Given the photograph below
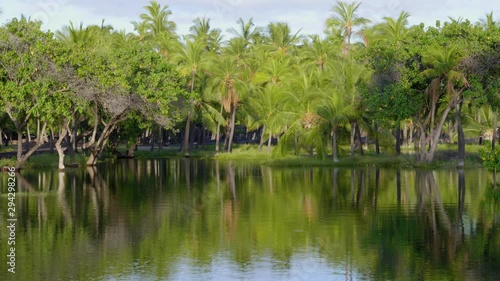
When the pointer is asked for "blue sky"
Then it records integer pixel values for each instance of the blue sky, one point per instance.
(309, 16)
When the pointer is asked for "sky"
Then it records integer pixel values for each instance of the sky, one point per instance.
(308, 16)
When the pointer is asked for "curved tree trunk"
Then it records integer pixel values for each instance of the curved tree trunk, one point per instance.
(21, 159)
(231, 134)
(59, 148)
(98, 147)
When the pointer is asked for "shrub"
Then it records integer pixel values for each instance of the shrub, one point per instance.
(491, 158)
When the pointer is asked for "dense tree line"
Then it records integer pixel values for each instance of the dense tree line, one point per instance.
(384, 81)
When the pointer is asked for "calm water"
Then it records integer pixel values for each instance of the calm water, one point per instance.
(181, 219)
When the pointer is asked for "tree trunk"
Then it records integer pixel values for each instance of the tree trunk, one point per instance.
(231, 134)
(59, 148)
(494, 135)
(23, 158)
(98, 147)
(160, 137)
(269, 142)
(432, 138)
(94, 130)
(377, 145)
(353, 125)
(132, 148)
(28, 139)
(261, 144)
(187, 133)
(28, 135)
(19, 143)
(334, 145)
(461, 136)
(398, 138)
(358, 139)
(410, 141)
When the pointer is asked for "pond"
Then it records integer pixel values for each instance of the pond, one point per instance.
(188, 219)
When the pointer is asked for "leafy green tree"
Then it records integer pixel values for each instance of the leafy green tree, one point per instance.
(389, 98)
(27, 76)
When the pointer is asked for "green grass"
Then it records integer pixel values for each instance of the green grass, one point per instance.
(171, 152)
(445, 158)
(51, 160)
(245, 152)
(8, 162)
(9, 148)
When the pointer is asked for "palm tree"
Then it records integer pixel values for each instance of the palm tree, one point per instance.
(237, 48)
(267, 104)
(280, 37)
(142, 28)
(191, 58)
(201, 30)
(345, 21)
(298, 114)
(347, 77)
(84, 37)
(335, 111)
(488, 22)
(156, 18)
(394, 30)
(318, 53)
(167, 43)
(247, 31)
(271, 82)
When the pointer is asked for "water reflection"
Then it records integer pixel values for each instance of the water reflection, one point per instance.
(187, 219)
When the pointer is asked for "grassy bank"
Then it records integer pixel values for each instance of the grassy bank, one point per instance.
(445, 158)
(46, 160)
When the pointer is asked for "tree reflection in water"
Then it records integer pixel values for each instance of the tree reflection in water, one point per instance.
(149, 218)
